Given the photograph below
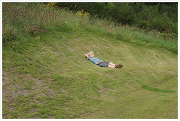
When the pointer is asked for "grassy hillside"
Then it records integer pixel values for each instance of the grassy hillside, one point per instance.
(45, 74)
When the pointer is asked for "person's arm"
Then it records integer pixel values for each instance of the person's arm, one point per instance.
(86, 56)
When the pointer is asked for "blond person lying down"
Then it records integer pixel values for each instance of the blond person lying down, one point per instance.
(98, 61)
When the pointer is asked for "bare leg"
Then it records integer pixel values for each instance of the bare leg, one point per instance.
(111, 66)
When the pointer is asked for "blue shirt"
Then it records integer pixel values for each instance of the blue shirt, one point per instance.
(95, 60)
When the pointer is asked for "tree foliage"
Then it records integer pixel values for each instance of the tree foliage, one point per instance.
(163, 15)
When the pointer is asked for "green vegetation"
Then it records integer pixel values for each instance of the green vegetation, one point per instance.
(45, 73)
(163, 15)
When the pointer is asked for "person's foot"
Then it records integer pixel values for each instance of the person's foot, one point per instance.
(119, 66)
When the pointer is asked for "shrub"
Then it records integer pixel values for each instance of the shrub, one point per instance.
(143, 24)
(123, 12)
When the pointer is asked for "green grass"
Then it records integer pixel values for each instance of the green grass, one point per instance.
(50, 77)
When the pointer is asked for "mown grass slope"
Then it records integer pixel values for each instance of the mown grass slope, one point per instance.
(49, 77)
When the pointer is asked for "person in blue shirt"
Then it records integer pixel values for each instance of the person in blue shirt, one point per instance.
(98, 61)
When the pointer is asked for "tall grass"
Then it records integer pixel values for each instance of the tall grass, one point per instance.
(34, 18)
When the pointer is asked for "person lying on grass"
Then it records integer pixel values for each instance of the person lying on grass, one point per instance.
(98, 61)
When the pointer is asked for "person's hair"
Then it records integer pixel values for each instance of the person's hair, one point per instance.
(88, 54)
